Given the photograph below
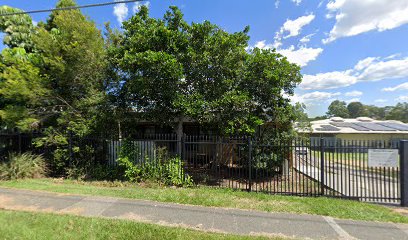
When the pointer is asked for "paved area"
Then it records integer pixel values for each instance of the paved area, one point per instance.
(351, 181)
(202, 218)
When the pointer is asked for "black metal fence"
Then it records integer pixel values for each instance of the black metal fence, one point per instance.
(299, 167)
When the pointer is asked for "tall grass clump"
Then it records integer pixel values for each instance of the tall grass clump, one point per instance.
(25, 165)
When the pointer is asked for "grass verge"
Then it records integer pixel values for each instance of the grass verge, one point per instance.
(27, 225)
(206, 196)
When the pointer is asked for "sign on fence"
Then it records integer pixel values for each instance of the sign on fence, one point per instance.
(383, 157)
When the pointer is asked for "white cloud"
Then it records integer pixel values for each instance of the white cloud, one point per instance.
(353, 100)
(379, 70)
(402, 99)
(297, 2)
(301, 56)
(353, 94)
(277, 2)
(120, 10)
(364, 63)
(328, 80)
(138, 5)
(403, 86)
(314, 97)
(381, 100)
(354, 17)
(368, 69)
(294, 27)
(393, 56)
(306, 38)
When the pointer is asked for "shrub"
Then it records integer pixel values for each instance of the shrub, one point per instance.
(26, 165)
(169, 171)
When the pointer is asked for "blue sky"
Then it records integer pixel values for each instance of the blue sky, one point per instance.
(348, 49)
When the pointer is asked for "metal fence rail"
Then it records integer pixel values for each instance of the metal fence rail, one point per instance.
(299, 167)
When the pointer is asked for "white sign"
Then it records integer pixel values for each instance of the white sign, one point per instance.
(383, 157)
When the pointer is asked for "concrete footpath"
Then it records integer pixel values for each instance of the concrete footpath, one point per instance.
(201, 218)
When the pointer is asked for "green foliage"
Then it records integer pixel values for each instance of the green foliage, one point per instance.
(57, 154)
(302, 119)
(62, 83)
(267, 162)
(162, 168)
(170, 71)
(22, 90)
(73, 59)
(356, 109)
(338, 109)
(26, 165)
(59, 83)
(399, 112)
(17, 28)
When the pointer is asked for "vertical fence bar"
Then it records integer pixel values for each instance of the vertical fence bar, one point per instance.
(70, 148)
(182, 163)
(404, 172)
(19, 142)
(322, 166)
(250, 164)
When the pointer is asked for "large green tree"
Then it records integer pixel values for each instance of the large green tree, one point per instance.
(171, 71)
(338, 109)
(60, 85)
(68, 63)
(73, 60)
(356, 109)
(375, 112)
(399, 112)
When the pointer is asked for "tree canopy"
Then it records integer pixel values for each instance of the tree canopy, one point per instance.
(338, 109)
(58, 80)
(357, 109)
(63, 74)
(18, 29)
(171, 71)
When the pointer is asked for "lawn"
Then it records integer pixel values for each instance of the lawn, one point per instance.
(27, 225)
(206, 196)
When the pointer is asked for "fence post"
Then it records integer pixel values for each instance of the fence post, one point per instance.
(19, 142)
(404, 172)
(250, 163)
(70, 148)
(322, 166)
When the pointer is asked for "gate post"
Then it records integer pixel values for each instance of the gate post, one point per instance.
(404, 172)
(322, 166)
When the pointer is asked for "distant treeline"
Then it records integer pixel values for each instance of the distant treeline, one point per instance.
(357, 109)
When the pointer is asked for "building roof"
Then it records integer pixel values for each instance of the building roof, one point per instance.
(358, 125)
